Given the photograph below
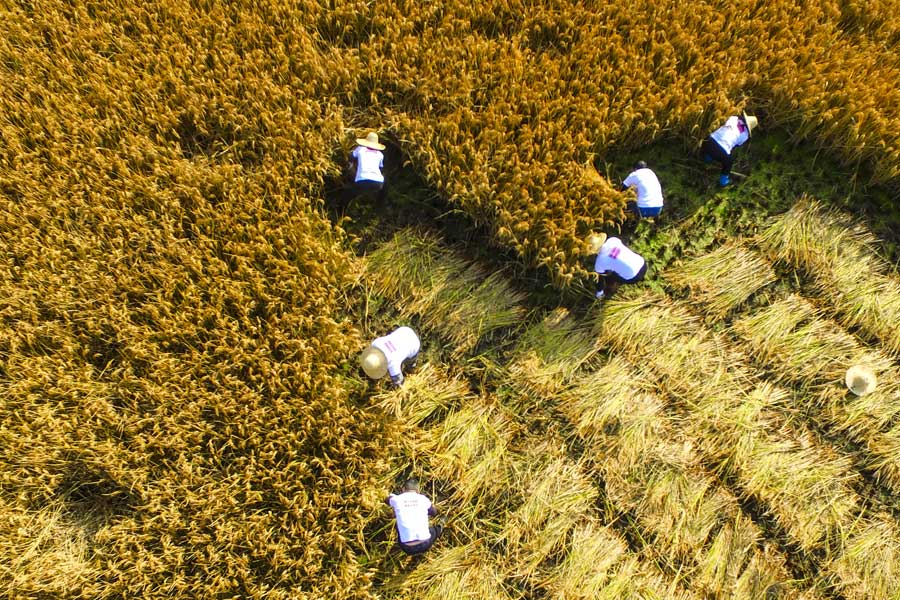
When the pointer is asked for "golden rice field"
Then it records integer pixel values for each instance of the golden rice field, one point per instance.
(181, 415)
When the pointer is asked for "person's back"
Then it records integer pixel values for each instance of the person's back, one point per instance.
(616, 257)
(398, 346)
(718, 146)
(732, 134)
(649, 191)
(369, 163)
(366, 163)
(411, 511)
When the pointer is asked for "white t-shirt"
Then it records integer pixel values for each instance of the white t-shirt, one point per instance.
(369, 163)
(400, 344)
(616, 257)
(649, 192)
(730, 135)
(411, 510)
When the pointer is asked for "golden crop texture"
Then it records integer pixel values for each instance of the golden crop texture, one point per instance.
(172, 417)
(501, 103)
(175, 415)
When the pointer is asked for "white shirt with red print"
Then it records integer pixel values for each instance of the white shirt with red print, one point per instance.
(617, 257)
(733, 133)
(399, 345)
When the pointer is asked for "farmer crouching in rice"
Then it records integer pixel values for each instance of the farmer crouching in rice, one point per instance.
(721, 142)
(386, 355)
(615, 264)
(412, 509)
(366, 163)
(649, 201)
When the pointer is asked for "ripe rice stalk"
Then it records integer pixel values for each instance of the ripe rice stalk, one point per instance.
(450, 296)
(723, 279)
(815, 239)
(816, 355)
(731, 567)
(657, 479)
(425, 395)
(410, 261)
(468, 309)
(618, 422)
(806, 486)
(471, 449)
(598, 564)
(598, 403)
(882, 456)
(594, 555)
(673, 501)
(869, 564)
(557, 496)
(549, 353)
(807, 350)
(729, 423)
(651, 329)
(842, 258)
(456, 572)
(45, 553)
(870, 302)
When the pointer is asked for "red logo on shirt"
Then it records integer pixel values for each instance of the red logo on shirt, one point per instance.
(614, 253)
(390, 346)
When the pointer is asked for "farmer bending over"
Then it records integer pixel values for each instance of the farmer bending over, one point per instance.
(719, 145)
(615, 264)
(649, 193)
(386, 354)
(412, 510)
(366, 162)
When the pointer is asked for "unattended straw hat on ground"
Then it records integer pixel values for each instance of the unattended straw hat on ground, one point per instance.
(373, 362)
(861, 380)
(370, 141)
(594, 242)
(751, 121)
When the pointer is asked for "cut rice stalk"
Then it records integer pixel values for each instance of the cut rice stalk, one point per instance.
(723, 279)
(869, 566)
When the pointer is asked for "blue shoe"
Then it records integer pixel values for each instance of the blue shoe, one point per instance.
(724, 180)
(707, 158)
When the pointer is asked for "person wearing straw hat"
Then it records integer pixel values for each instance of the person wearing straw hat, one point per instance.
(649, 193)
(616, 264)
(366, 163)
(411, 510)
(861, 380)
(721, 143)
(386, 354)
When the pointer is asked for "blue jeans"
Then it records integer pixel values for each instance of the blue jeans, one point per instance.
(643, 212)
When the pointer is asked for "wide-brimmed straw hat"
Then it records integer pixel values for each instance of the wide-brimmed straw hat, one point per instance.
(594, 242)
(373, 362)
(751, 121)
(370, 141)
(861, 380)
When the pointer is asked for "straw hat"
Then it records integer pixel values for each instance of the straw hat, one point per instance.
(751, 121)
(594, 242)
(861, 380)
(373, 362)
(370, 141)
